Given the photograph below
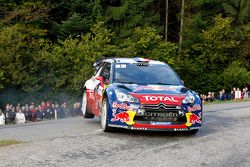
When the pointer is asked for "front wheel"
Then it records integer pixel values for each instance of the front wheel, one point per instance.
(85, 112)
(193, 132)
(104, 116)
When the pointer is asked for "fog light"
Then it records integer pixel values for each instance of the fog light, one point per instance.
(140, 111)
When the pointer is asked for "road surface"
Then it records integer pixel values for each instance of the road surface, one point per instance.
(224, 140)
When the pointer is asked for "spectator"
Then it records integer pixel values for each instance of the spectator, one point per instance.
(248, 93)
(238, 94)
(65, 108)
(39, 113)
(61, 112)
(20, 117)
(27, 113)
(2, 118)
(209, 97)
(74, 110)
(48, 111)
(56, 111)
(222, 95)
(33, 112)
(79, 112)
(43, 106)
(11, 115)
(244, 93)
(213, 97)
(230, 95)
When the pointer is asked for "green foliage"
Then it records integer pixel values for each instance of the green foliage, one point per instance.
(129, 14)
(239, 10)
(236, 75)
(1, 79)
(216, 43)
(30, 12)
(213, 52)
(71, 60)
(73, 26)
(148, 43)
(20, 59)
(47, 47)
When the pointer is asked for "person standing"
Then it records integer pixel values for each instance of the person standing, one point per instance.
(2, 118)
(238, 94)
(20, 117)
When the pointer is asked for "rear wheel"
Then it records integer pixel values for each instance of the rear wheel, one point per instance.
(85, 112)
(104, 116)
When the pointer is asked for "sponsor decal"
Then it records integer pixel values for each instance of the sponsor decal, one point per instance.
(193, 118)
(180, 129)
(135, 128)
(194, 108)
(120, 66)
(118, 126)
(161, 114)
(160, 98)
(122, 106)
(100, 90)
(154, 88)
(125, 117)
(160, 123)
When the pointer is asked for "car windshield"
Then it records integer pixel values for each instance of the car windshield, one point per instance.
(159, 74)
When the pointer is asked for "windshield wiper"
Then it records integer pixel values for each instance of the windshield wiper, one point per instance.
(127, 82)
(159, 83)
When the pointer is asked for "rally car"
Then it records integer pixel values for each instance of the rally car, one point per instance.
(140, 94)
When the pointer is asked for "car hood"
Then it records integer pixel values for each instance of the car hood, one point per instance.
(153, 89)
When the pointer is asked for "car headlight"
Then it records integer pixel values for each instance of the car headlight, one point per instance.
(122, 97)
(188, 99)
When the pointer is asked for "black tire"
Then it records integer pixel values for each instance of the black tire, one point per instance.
(193, 132)
(104, 116)
(85, 112)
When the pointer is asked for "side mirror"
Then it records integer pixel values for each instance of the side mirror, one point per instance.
(182, 82)
(99, 78)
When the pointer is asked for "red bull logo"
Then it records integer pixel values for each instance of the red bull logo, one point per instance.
(194, 108)
(193, 118)
(122, 106)
(123, 117)
(126, 116)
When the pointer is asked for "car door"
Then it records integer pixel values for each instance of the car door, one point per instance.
(102, 78)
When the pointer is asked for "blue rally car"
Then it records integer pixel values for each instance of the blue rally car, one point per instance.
(140, 94)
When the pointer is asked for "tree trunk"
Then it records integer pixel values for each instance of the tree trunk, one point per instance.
(181, 28)
(166, 29)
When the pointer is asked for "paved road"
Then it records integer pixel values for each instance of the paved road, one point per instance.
(224, 140)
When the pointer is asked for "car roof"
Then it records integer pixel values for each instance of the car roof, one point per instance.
(129, 60)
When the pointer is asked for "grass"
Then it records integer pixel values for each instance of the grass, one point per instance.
(9, 142)
(229, 101)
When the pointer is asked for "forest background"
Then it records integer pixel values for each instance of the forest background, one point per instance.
(47, 47)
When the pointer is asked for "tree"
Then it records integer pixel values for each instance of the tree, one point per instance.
(146, 42)
(236, 75)
(239, 10)
(209, 57)
(20, 58)
(72, 59)
(1, 79)
(73, 26)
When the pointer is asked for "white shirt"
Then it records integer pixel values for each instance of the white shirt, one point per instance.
(238, 94)
(2, 119)
(20, 118)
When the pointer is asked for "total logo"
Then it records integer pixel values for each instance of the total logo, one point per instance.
(160, 98)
